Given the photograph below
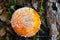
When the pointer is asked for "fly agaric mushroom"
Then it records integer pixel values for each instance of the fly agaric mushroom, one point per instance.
(25, 22)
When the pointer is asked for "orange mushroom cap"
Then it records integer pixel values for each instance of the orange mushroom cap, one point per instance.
(26, 22)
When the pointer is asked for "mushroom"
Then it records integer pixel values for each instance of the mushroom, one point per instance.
(25, 22)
